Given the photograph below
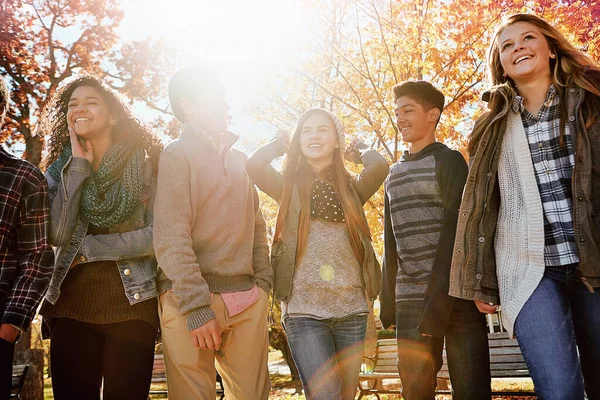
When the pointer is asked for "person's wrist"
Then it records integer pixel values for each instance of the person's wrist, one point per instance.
(9, 332)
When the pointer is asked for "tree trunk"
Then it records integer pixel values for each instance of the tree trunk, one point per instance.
(34, 383)
(33, 147)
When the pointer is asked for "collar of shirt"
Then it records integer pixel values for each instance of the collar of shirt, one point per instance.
(221, 142)
(519, 107)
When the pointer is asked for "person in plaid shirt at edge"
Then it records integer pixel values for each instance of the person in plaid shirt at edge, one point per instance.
(26, 257)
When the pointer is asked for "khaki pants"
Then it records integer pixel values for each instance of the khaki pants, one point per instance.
(242, 360)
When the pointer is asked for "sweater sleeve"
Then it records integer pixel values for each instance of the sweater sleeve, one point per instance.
(32, 252)
(173, 243)
(451, 172)
(390, 268)
(259, 169)
(372, 176)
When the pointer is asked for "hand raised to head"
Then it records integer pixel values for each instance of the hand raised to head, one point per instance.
(81, 150)
(352, 154)
(284, 137)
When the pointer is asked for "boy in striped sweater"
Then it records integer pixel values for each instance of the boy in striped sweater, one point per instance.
(422, 195)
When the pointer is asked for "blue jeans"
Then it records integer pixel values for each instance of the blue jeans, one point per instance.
(420, 357)
(560, 317)
(328, 354)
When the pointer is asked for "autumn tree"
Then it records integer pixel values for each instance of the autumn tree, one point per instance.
(361, 48)
(367, 46)
(45, 42)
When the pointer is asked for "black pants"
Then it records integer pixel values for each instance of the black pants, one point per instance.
(82, 354)
(420, 357)
(7, 351)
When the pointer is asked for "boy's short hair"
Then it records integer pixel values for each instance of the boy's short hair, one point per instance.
(192, 82)
(4, 99)
(422, 92)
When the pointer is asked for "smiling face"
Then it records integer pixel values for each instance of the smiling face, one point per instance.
(524, 52)
(88, 113)
(318, 140)
(415, 124)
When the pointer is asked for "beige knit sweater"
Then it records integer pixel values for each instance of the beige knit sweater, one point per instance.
(209, 233)
(519, 241)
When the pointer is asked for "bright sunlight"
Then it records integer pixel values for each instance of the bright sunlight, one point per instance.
(247, 42)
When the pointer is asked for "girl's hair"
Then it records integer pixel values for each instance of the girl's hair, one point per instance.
(571, 67)
(296, 171)
(127, 128)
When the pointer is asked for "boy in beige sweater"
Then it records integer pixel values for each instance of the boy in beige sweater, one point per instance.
(210, 243)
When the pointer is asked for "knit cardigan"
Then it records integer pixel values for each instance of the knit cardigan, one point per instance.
(519, 243)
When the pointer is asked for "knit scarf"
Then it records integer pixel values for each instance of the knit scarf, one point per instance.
(111, 193)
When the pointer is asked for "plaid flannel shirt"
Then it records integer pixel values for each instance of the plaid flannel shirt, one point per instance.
(553, 165)
(26, 257)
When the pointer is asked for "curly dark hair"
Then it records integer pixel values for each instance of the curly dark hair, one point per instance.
(4, 99)
(54, 120)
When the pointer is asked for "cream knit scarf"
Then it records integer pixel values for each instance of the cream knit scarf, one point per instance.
(519, 240)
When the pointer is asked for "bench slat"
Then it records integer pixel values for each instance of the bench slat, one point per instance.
(387, 361)
(379, 375)
(387, 369)
(503, 343)
(499, 367)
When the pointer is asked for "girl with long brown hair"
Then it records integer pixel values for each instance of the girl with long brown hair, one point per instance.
(528, 234)
(325, 267)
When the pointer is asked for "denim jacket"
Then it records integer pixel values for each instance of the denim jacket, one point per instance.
(129, 243)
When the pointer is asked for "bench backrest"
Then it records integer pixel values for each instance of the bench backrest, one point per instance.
(19, 375)
(506, 359)
(158, 370)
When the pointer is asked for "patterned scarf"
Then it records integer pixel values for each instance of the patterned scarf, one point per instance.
(325, 203)
(113, 192)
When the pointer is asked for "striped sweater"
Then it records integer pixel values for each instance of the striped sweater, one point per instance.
(423, 194)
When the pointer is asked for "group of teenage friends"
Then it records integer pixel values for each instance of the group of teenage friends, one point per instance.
(124, 228)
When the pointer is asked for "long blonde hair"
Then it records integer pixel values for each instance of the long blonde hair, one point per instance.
(297, 172)
(571, 67)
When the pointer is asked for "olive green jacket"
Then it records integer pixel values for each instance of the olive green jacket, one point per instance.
(472, 275)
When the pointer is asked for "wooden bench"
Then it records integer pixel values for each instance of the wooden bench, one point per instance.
(506, 361)
(19, 375)
(159, 376)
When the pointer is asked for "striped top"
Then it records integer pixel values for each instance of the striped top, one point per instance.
(416, 211)
(423, 194)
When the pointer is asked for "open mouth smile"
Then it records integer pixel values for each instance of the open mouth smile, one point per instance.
(523, 58)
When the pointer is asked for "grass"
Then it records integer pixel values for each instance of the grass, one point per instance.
(285, 389)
